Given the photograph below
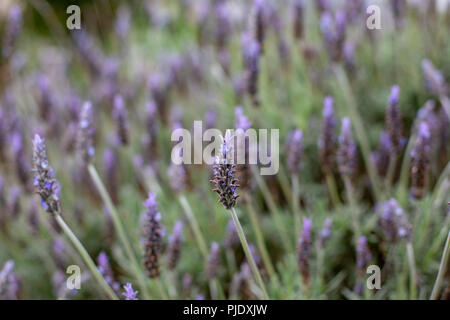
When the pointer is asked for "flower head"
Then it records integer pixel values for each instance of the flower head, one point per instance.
(304, 250)
(153, 233)
(420, 160)
(129, 293)
(363, 255)
(175, 243)
(394, 222)
(394, 123)
(327, 140)
(121, 116)
(295, 151)
(347, 153)
(45, 182)
(85, 139)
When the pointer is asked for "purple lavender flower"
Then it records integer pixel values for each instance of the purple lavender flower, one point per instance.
(334, 32)
(260, 22)
(398, 11)
(46, 99)
(434, 80)
(44, 178)
(153, 233)
(363, 255)
(225, 183)
(322, 5)
(213, 263)
(159, 89)
(295, 151)
(325, 233)
(420, 161)
(129, 293)
(89, 52)
(231, 239)
(210, 119)
(9, 282)
(59, 253)
(12, 30)
(381, 156)
(177, 177)
(251, 52)
(175, 244)
(106, 271)
(120, 115)
(223, 25)
(85, 139)
(122, 23)
(393, 221)
(304, 251)
(298, 19)
(347, 155)
(393, 120)
(327, 140)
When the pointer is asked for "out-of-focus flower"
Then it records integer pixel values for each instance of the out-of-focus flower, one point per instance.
(325, 233)
(298, 19)
(304, 251)
(381, 156)
(213, 263)
(294, 148)
(106, 271)
(394, 223)
(334, 32)
(394, 124)
(120, 115)
(85, 138)
(327, 140)
(363, 255)
(420, 161)
(347, 155)
(9, 282)
(111, 174)
(231, 239)
(434, 80)
(175, 244)
(251, 50)
(12, 30)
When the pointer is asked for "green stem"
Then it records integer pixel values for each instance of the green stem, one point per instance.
(194, 225)
(412, 271)
(248, 254)
(87, 259)
(442, 269)
(332, 189)
(353, 207)
(359, 128)
(259, 237)
(119, 227)
(161, 290)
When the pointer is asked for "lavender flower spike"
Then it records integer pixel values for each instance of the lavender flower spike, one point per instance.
(44, 178)
(363, 255)
(420, 161)
(347, 153)
(129, 293)
(225, 183)
(304, 250)
(394, 120)
(213, 263)
(121, 116)
(175, 243)
(298, 19)
(85, 139)
(295, 151)
(325, 233)
(153, 233)
(327, 140)
(394, 222)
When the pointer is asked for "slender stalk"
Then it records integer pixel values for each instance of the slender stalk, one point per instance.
(231, 261)
(87, 259)
(248, 254)
(359, 127)
(194, 225)
(412, 271)
(119, 227)
(332, 189)
(353, 207)
(284, 182)
(391, 172)
(295, 207)
(273, 210)
(161, 290)
(259, 236)
(442, 269)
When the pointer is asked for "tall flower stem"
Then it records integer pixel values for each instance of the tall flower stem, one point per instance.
(442, 269)
(259, 236)
(353, 208)
(391, 172)
(194, 225)
(412, 271)
(85, 255)
(359, 127)
(295, 206)
(119, 227)
(248, 254)
(332, 189)
(273, 209)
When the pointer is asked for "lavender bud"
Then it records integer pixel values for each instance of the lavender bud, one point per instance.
(363, 255)
(434, 80)
(347, 155)
(153, 233)
(295, 151)
(381, 156)
(251, 50)
(298, 19)
(12, 30)
(85, 138)
(325, 233)
(394, 223)
(327, 140)
(304, 251)
(225, 183)
(213, 263)
(120, 115)
(420, 161)
(175, 244)
(104, 268)
(393, 120)
(129, 293)
(44, 178)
